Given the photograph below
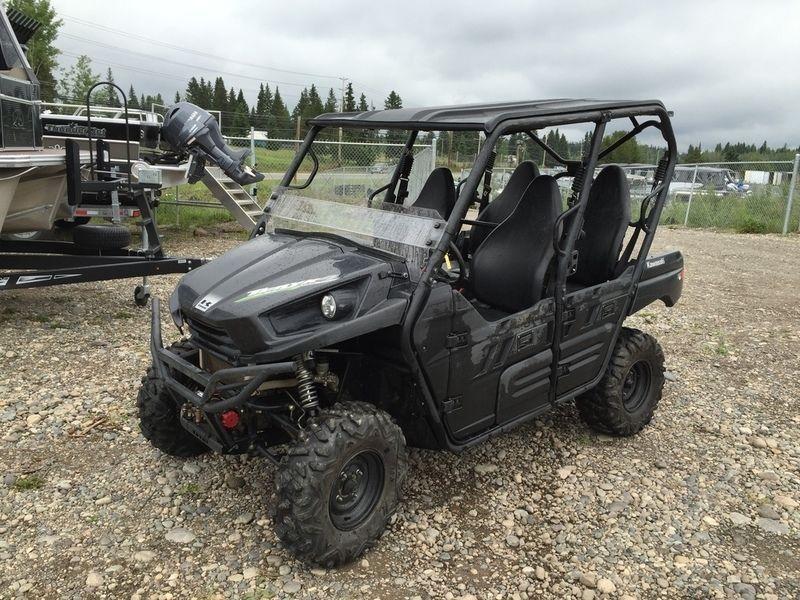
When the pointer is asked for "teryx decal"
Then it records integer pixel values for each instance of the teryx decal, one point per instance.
(286, 287)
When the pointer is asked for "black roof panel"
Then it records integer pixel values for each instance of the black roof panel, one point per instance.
(473, 116)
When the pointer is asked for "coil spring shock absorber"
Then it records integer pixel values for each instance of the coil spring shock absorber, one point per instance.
(577, 184)
(661, 171)
(487, 181)
(305, 383)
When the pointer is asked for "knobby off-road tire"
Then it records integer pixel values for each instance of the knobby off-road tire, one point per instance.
(627, 396)
(159, 416)
(339, 485)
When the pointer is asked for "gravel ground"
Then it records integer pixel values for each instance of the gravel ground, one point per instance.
(703, 503)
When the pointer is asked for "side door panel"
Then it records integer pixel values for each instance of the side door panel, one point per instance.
(430, 339)
(496, 368)
(590, 317)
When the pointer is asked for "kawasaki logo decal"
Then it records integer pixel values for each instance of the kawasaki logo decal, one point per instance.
(286, 287)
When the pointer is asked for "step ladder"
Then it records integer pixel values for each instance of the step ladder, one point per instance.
(233, 197)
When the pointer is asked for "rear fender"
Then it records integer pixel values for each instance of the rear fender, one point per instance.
(662, 279)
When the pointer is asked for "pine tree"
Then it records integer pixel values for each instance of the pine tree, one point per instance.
(330, 102)
(279, 124)
(193, 92)
(241, 116)
(315, 106)
(203, 96)
(220, 98)
(362, 103)
(107, 95)
(263, 108)
(177, 97)
(133, 100)
(349, 99)
(393, 100)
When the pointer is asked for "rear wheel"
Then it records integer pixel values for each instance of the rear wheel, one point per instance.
(626, 398)
(339, 485)
(159, 415)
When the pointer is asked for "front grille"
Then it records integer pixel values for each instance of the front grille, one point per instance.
(214, 339)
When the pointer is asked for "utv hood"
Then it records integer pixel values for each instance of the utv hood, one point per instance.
(263, 297)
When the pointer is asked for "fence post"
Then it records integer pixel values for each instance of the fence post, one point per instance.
(177, 208)
(691, 194)
(792, 185)
(253, 191)
(433, 152)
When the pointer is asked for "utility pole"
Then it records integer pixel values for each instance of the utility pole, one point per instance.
(341, 110)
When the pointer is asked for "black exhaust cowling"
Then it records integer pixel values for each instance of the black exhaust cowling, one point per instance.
(189, 127)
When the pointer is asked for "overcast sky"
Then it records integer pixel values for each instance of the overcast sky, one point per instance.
(729, 70)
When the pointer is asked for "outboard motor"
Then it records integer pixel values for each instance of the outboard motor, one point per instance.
(188, 127)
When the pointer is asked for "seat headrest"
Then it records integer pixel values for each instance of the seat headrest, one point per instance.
(522, 177)
(438, 193)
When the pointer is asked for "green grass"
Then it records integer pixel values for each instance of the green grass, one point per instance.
(189, 217)
(39, 318)
(763, 211)
(721, 349)
(28, 482)
(190, 489)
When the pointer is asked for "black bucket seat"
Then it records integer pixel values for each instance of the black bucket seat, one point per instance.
(510, 267)
(504, 203)
(438, 193)
(607, 216)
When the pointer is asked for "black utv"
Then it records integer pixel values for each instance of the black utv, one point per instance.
(359, 318)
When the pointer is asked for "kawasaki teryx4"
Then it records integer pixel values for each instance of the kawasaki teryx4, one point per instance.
(360, 317)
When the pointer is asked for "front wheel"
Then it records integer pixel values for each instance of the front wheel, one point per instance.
(624, 401)
(339, 485)
(159, 415)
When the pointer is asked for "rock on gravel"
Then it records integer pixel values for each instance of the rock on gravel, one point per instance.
(180, 535)
(144, 556)
(485, 469)
(606, 586)
(292, 587)
(772, 526)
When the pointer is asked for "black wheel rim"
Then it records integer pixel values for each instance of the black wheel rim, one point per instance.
(356, 490)
(636, 386)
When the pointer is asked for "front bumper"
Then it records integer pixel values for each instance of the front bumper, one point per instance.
(216, 392)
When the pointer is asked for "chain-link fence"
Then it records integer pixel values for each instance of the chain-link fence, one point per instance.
(749, 197)
(756, 197)
(345, 169)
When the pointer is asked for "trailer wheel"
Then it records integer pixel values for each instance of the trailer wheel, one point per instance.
(624, 401)
(101, 237)
(339, 485)
(141, 295)
(159, 416)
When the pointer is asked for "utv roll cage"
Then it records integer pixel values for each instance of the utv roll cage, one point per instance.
(497, 120)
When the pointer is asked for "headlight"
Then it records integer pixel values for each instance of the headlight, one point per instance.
(328, 306)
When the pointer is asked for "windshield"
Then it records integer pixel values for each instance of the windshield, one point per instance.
(344, 198)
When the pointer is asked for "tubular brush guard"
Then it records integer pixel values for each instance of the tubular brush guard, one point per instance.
(211, 399)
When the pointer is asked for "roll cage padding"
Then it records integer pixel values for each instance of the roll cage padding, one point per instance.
(438, 193)
(505, 202)
(510, 267)
(605, 221)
